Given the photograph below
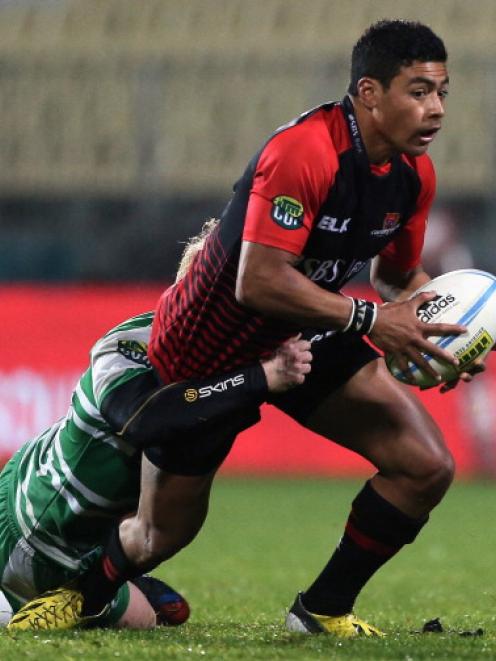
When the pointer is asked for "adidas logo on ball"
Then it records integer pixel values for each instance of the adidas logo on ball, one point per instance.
(430, 309)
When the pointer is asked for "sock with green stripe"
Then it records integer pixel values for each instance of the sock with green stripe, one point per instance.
(102, 581)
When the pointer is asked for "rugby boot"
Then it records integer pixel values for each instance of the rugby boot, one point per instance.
(56, 609)
(170, 607)
(341, 626)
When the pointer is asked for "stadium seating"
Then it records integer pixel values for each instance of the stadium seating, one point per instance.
(111, 95)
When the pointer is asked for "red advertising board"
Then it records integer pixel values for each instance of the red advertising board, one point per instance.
(45, 336)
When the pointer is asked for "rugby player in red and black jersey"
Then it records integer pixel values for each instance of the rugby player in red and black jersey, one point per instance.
(344, 185)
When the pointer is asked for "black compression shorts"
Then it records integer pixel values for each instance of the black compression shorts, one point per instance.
(204, 450)
(336, 358)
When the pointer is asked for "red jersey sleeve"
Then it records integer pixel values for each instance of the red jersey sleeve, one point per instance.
(405, 249)
(291, 181)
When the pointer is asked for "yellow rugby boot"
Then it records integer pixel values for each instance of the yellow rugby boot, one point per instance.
(56, 609)
(341, 626)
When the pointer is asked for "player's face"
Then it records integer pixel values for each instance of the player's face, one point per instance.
(408, 114)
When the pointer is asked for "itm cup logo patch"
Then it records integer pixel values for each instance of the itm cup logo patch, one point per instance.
(287, 212)
(135, 351)
(191, 395)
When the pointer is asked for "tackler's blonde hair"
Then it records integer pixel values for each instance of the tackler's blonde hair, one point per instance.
(193, 246)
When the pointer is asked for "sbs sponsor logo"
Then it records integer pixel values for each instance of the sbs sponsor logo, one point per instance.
(192, 394)
(327, 270)
(429, 310)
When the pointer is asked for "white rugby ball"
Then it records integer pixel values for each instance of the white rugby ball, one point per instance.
(466, 297)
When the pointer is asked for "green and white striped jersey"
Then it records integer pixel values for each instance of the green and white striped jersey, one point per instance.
(77, 476)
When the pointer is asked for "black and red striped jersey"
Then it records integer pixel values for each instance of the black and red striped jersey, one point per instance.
(311, 191)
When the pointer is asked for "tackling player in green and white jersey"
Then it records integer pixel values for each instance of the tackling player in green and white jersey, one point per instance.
(62, 492)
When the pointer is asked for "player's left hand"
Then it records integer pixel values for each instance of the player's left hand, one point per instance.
(466, 377)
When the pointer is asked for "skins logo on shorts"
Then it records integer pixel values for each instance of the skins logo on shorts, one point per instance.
(287, 212)
(135, 351)
(191, 395)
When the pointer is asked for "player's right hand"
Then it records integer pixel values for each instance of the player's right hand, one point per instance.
(290, 364)
(400, 333)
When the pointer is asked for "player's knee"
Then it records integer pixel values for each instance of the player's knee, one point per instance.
(434, 475)
(5, 610)
(139, 614)
(155, 548)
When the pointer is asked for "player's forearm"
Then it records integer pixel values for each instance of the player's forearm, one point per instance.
(269, 283)
(392, 285)
(284, 293)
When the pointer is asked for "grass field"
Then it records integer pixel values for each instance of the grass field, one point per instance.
(266, 539)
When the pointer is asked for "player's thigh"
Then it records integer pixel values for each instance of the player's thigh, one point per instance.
(171, 511)
(167, 498)
(176, 477)
(23, 571)
(382, 420)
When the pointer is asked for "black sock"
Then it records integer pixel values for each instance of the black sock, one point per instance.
(375, 531)
(102, 581)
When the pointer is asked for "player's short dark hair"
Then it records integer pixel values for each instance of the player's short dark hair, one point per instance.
(386, 46)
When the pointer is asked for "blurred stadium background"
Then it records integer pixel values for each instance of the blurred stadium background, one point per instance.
(123, 126)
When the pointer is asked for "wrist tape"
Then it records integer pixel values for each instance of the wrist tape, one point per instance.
(362, 318)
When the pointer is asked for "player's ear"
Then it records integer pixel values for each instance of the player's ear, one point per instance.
(368, 91)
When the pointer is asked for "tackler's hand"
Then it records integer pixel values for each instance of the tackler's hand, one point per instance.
(289, 366)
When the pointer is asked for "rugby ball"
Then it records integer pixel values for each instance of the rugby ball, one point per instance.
(466, 297)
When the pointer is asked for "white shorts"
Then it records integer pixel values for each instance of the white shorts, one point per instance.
(5, 610)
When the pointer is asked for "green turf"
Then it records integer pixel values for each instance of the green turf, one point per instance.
(264, 540)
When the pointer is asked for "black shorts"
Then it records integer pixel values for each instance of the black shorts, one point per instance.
(336, 358)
